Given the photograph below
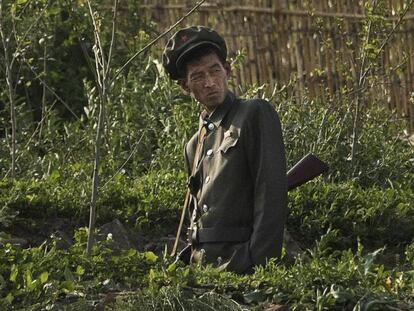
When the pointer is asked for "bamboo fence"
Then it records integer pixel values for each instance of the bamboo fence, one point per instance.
(315, 44)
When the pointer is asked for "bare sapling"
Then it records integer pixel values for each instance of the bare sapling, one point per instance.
(104, 82)
(8, 64)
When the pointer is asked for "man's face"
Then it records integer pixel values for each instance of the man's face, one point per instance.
(206, 80)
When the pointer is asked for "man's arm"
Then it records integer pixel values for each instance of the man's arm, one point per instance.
(269, 170)
(267, 163)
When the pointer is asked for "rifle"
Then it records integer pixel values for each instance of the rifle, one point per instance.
(306, 169)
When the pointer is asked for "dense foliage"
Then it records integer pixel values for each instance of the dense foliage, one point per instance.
(354, 224)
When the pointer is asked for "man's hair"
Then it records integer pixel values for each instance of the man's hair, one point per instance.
(198, 53)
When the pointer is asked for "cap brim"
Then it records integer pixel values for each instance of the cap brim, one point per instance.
(180, 59)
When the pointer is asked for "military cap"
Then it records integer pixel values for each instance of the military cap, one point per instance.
(186, 40)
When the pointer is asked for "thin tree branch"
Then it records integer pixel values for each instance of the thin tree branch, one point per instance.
(9, 82)
(361, 83)
(111, 47)
(101, 71)
(87, 58)
(126, 161)
(43, 88)
(22, 40)
(32, 136)
(102, 68)
(364, 72)
(98, 50)
(386, 40)
(24, 8)
(37, 76)
(364, 53)
(155, 40)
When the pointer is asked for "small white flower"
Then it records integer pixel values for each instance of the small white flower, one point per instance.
(109, 236)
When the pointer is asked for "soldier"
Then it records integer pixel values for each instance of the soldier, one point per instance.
(235, 162)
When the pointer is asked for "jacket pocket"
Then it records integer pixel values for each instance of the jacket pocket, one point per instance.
(230, 140)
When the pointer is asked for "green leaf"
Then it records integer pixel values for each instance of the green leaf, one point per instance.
(2, 282)
(44, 277)
(131, 253)
(152, 275)
(29, 282)
(68, 274)
(67, 286)
(80, 270)
(30, 197)
(55, 76)
(369, 259)
(13, 273)
(55, 175)
(254, 296)
(150, 257)
(171, 267)
(9, 298)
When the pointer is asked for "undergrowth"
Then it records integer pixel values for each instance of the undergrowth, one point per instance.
(321, 278)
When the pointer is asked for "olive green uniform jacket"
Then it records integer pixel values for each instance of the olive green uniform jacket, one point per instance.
(239, 186)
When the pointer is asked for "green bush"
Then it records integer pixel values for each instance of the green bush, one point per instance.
(383, 155)
(366, 213)
(43, 276)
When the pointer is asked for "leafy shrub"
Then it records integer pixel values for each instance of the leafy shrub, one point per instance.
(151, 203)
(356, 212)
(325, 129)
(43, 275)
(170, 298)
(318, 280)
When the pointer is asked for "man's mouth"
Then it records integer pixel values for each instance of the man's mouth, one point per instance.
(215, 93)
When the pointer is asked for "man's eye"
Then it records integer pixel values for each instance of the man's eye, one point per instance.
(196, 78)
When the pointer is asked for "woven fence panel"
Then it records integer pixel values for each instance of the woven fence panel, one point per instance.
(315, 44)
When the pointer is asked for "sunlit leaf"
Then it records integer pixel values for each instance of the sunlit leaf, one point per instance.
(80, 270)
(9, 298)
(151, 257)
(28, 279)
(13, 273)
(44, 277)
(369, 259)
(67, 286)
(171, 267)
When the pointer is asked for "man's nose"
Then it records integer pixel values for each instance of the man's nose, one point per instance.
(209, 81)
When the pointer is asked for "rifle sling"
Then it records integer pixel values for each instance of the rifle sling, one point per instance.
(200, 142)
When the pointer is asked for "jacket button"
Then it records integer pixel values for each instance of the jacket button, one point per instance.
(210, 126)
(207, 179)
(209, 152)
(205, 208)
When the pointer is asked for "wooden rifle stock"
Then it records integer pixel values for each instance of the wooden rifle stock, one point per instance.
(306, 169)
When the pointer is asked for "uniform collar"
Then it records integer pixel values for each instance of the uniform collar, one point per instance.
(220, 112)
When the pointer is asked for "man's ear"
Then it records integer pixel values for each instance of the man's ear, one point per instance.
(184, 85)
(227, 67)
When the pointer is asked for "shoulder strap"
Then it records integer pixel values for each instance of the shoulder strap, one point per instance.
(200, 142)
